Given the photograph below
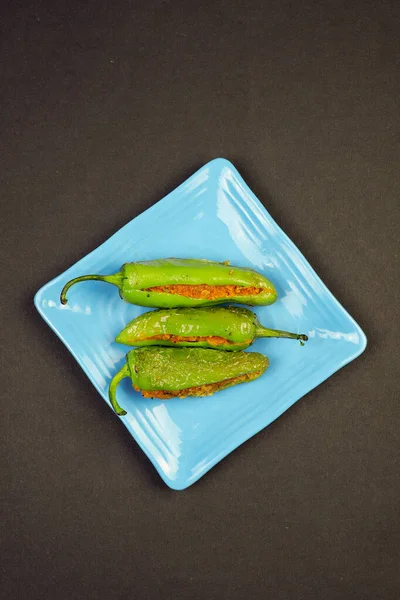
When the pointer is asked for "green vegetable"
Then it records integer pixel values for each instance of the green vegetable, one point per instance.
(224, 328)
(175, 282)
(168, 372)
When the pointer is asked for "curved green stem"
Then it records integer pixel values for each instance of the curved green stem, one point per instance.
(112, 391)
(278, 333)
(115, 279)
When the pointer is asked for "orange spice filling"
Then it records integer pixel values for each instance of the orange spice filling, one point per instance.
(202, 390)
(213, 340)
(209, 292)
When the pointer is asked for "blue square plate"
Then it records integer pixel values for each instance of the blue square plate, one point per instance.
(212, 215)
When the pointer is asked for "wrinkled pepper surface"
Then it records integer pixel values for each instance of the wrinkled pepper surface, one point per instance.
(179, 372)
(224, 328)
(176, 282)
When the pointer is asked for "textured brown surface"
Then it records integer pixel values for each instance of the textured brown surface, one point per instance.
(104, 110)
(207, 291)
(213, 340)
(201, 390)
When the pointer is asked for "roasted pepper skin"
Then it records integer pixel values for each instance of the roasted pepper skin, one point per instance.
(134, 279)
(174, 369)
(238, 326)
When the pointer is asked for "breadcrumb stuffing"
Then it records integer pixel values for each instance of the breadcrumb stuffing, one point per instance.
(205, 291)
(202, 390)
(213, 340)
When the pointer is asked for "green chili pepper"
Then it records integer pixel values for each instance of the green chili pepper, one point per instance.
(169, 372)
(174, 282)
(224, 328)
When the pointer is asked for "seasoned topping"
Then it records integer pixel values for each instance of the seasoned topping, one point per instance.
(213, 340)
(201, 390)
(207, 292)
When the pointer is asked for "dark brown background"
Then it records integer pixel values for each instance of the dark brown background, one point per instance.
(105, 108)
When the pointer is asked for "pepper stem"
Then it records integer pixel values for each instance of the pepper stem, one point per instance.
(264, 332)
(115, 279)
(112, 391)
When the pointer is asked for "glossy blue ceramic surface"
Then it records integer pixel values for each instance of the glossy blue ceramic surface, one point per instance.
(212, 215)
